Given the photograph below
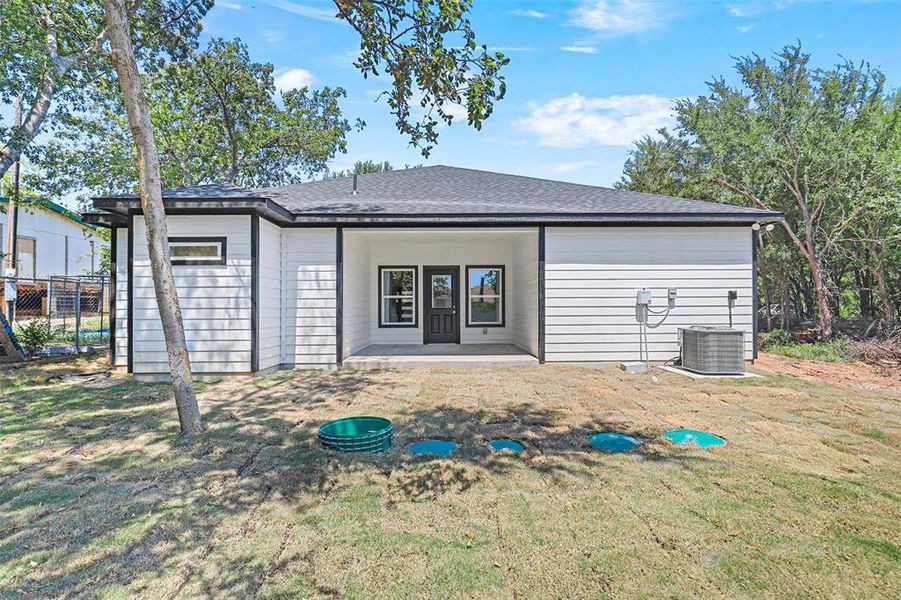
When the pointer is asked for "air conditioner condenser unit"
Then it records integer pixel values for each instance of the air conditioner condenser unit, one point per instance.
(711, 350)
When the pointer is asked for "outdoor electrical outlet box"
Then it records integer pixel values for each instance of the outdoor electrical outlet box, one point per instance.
(671, 297)
(733, 296)
(643, 297)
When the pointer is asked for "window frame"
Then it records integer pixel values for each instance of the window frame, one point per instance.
(219, 261)
(501, 296)
(414, 298)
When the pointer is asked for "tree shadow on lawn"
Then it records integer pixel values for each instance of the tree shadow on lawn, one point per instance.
(121, 496)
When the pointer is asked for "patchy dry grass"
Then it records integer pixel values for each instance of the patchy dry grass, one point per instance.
(99, 497)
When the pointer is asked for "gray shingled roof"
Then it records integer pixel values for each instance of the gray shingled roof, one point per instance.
(219, 191)
(451, 191)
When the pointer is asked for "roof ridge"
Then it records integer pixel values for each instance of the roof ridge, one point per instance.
(587, 186)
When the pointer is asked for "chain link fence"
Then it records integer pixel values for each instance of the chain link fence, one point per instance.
(59, 315)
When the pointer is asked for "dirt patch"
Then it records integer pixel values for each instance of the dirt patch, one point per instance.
(857, 374)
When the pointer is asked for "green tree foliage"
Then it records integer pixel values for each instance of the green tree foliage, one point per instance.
(362, 167)
(53, 54)
(218, 118)
(428, 48)
(819, 145)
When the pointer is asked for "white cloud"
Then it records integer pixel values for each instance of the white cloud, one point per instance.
(530, 13)
(620, 17)
(231, 5)
(751, 8)
(457, 111)
(738, 10)
(580, 49)
(311, 12)
(293, 79)
(576, 165)
(273, 37)
(576, 120)
(745, 28)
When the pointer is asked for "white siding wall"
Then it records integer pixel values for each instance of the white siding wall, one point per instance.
(121, 351)
(525, 288)
(357, 315)
(593, 274)
(63, 246)
(215, 300)
(270, 295)
(308, 297)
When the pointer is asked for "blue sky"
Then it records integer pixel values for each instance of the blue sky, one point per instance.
(585, 79)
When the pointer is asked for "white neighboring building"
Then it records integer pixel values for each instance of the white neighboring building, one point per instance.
(52, 240)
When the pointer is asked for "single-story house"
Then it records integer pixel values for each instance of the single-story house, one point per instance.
(320, 273)
(51, 240)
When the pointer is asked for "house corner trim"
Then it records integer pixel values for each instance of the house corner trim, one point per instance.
(254, 293)
(541, 294)
(339, 295)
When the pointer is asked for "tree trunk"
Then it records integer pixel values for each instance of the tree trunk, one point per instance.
(761, 274)
(768, 298)
(784, 314)
(885, 296)
(863, 292)
(819, 286)
(800, 296)
(123, 58)
(23, 135)
(838, 276)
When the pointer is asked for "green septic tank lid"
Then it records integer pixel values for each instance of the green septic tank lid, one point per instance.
(611, 441)
(442, 448)
(357, 434)
(702, 439)
(501, 444)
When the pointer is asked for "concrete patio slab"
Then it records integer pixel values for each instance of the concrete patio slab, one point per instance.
(439, 355)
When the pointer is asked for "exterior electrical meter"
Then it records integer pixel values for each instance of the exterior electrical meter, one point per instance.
(643, 299)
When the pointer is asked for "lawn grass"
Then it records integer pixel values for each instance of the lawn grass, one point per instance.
(100, 497)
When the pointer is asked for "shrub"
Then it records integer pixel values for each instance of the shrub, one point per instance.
(776, 337)
(839, 349)
(34, 335)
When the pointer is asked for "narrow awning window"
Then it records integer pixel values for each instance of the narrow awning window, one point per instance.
(197, 250)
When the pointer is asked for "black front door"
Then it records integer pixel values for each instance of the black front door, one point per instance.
(442, 322)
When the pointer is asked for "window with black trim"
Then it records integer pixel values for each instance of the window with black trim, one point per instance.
(198, 250)
(397, 297)
(485, 296)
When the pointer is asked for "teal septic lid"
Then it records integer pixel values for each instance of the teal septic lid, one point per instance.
(610, 441)
(702, 439)
(501, 444)
(357, 434)
(442, 448)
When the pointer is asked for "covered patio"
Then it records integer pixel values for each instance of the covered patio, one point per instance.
(439, 296)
